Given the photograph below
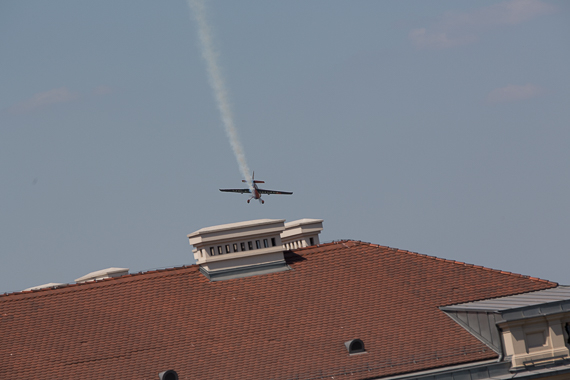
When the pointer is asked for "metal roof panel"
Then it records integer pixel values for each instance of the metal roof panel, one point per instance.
(541, 297)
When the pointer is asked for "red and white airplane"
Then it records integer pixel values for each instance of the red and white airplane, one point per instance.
(256, 190)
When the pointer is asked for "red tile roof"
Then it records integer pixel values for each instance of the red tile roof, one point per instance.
(285, 325)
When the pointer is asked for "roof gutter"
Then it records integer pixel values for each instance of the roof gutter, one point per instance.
(441, 371)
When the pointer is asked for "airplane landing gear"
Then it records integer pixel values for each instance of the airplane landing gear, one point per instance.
(262, 202)
(248, 200)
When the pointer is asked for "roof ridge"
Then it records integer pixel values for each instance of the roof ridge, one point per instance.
(109, 279)
(148, 271)
(321, 245)
(481, 267)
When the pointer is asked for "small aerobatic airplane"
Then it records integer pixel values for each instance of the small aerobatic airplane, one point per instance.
(256, 190)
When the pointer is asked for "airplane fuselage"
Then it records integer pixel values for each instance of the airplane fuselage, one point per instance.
(256, 195)
(255, 191)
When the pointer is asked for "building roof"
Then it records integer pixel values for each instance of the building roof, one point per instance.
(540, 297)
(286, 325)
(520, 306)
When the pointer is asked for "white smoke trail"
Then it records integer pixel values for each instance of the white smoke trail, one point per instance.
(218, 86)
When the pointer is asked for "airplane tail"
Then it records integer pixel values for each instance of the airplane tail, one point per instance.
(253, 179)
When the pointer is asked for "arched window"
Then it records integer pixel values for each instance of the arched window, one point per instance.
(354, 346)
(168, 375)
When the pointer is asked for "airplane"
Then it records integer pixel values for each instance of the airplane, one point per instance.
(256, 190)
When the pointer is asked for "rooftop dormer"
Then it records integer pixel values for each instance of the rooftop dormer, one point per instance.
(533, 328)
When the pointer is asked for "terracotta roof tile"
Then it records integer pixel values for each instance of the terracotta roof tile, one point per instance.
(283, 325)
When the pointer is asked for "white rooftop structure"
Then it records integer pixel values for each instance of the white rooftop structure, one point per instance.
(239, 249)
(250, 248)
(102, 274)
(302, 233)
(49, 285)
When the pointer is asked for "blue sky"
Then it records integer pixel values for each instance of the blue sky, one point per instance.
(439, 127)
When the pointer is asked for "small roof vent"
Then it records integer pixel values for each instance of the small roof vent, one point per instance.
(102, 274)
(355, 346)
(301, 233)
(50, 285)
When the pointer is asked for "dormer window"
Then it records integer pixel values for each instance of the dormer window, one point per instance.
(220, 250)
(228, 248)
(532, 326)
(354, 346)
(168, 375)
(242, 246)
(250, 245)
(212, 252)
(265, 243)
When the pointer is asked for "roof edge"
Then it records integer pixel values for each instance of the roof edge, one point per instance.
(300, 250)
(87, 283)
(467, 264)
(431, 257)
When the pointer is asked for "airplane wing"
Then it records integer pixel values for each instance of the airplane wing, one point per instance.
(241, 191)
(262, 191)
